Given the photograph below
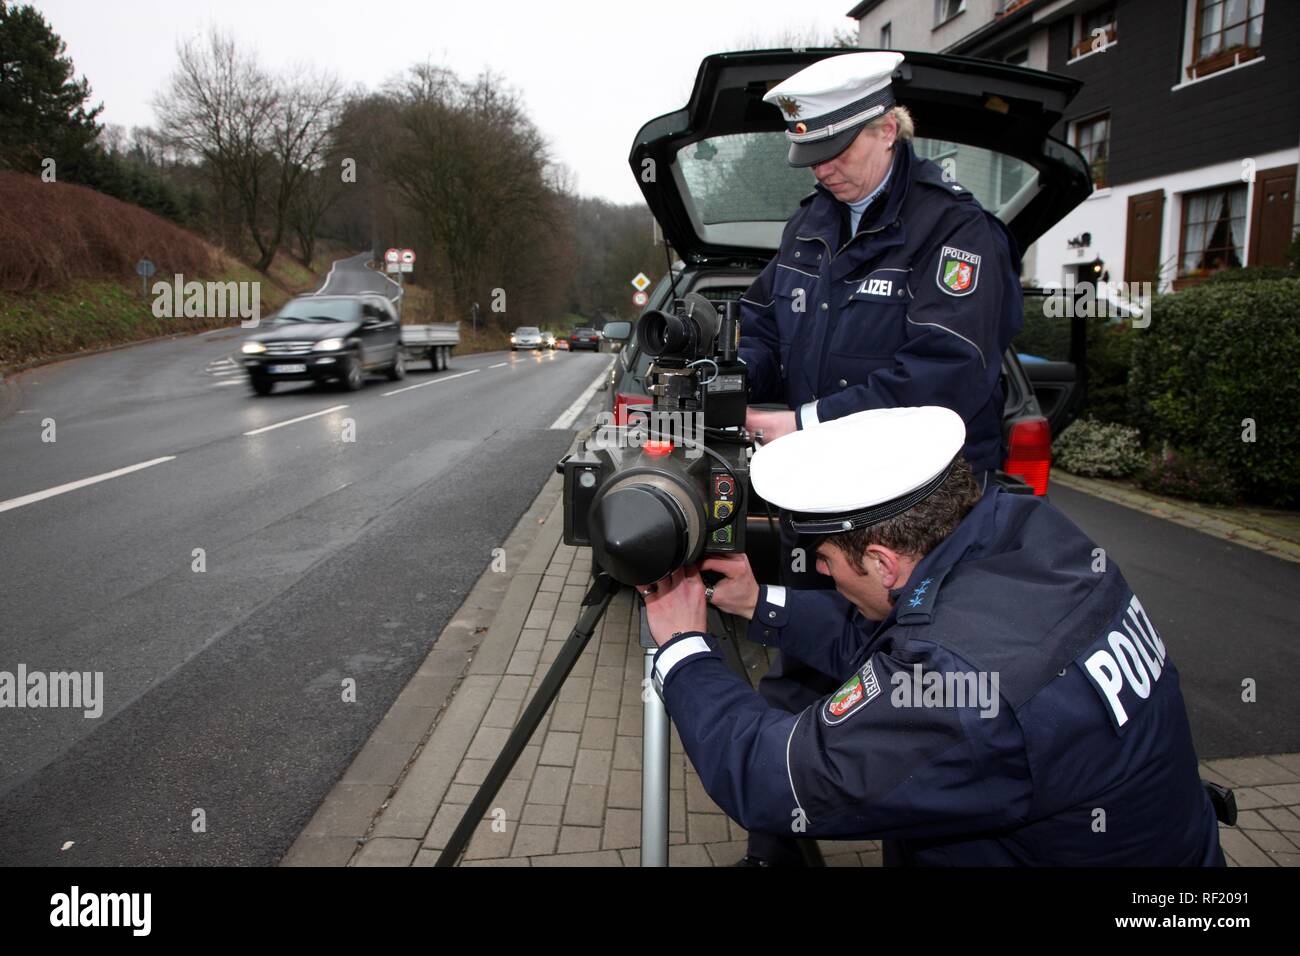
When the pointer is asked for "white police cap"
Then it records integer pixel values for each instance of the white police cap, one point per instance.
(824, 105)
(859, 470)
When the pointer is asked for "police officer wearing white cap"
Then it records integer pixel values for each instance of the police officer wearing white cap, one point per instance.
(1014, 705)
(891, 286)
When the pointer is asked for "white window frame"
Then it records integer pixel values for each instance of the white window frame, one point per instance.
(1189, 51)
(941, 5)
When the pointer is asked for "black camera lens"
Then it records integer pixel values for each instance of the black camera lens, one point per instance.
(662, 333)
(639, 534)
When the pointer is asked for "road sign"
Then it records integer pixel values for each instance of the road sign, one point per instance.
(408, 267)
(640, 298)
(641, 282)
(393, 267)
(408, 257)
(144, 268)
(393, 255)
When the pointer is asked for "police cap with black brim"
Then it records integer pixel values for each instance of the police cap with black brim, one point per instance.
(826, 104)
(860, 470)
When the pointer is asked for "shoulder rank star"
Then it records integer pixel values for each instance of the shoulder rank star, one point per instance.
(789, 105)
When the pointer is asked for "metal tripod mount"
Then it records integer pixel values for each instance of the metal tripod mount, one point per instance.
(654, 741)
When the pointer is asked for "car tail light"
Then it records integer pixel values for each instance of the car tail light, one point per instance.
(1029, 452)
(621, 402)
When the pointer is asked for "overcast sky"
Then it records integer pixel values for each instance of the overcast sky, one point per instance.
(590, 72)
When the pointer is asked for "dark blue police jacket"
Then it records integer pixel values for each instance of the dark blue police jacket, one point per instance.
(1079, 754)
(916, 308)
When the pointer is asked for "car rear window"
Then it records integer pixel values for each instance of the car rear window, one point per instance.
(744, 177)
(526, 330)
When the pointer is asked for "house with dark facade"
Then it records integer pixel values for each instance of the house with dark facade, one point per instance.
(1189, 118)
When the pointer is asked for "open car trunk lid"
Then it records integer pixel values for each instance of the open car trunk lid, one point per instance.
(715, 174)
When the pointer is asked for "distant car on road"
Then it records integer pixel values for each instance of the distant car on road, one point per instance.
(562, 345)
(585, 339)
(326, 338)
(527, 337)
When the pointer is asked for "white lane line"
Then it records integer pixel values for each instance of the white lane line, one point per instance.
(499, 365)
(74, 485)
(204, 335)
(294, 421)
(229, 381)
(225, 371)
(398, 391)
(327, 277)
(566, 419)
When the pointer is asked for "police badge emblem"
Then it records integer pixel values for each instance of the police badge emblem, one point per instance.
(789, 104)
(860, 689)
(959, 271)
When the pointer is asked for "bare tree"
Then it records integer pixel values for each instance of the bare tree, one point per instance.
(258, 135)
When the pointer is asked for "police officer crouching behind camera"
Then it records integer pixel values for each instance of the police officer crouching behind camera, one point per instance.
(1013, 705)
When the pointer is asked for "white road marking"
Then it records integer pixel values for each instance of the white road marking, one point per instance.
(398, 391)
(74, 485)
(229, 381)
(327, 277)
(225, 371)
(294, 421)
(204, 335)
(566, 419)
(499, 365)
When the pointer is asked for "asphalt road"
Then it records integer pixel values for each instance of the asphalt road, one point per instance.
(1226, 614)
(326, 560)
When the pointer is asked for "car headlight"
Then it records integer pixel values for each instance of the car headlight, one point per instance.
(328, 345)
(252, 348)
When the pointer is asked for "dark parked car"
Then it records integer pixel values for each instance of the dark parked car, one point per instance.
(584, 339)
(724, 192)
(326, 338)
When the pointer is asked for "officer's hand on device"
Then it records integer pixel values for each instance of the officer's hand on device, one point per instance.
(737, 592)
(772, 424)
(676, 605)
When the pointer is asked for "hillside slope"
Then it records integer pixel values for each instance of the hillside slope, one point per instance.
(67, 271)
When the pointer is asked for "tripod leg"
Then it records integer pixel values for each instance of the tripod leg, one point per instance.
(654, 772)
(594, 605)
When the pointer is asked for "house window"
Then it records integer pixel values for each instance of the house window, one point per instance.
(1227, 32)
(1092, 139)
(1214, 231)
(887, 36)
(1097, 29)
(945, 10)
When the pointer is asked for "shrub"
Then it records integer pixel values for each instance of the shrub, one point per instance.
(1187, 476)
(1098, 450)
(1219, 366)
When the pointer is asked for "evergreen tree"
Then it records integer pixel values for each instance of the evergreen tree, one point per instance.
(43, 112)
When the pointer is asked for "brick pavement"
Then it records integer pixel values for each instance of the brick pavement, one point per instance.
(573, 798)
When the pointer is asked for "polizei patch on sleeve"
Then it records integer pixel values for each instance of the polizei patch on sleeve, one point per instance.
(959, 271)
(858, 691)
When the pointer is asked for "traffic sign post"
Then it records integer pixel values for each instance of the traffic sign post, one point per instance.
(144, 269)
(641, 282)
(639, 299)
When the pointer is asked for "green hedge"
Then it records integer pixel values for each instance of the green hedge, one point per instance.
(1214, 356)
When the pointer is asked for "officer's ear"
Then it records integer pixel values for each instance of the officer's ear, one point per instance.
(888, 565)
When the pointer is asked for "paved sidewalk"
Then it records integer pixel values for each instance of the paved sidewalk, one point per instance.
(573, 798)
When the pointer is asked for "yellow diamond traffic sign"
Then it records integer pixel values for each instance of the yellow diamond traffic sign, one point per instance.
(641, 282)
